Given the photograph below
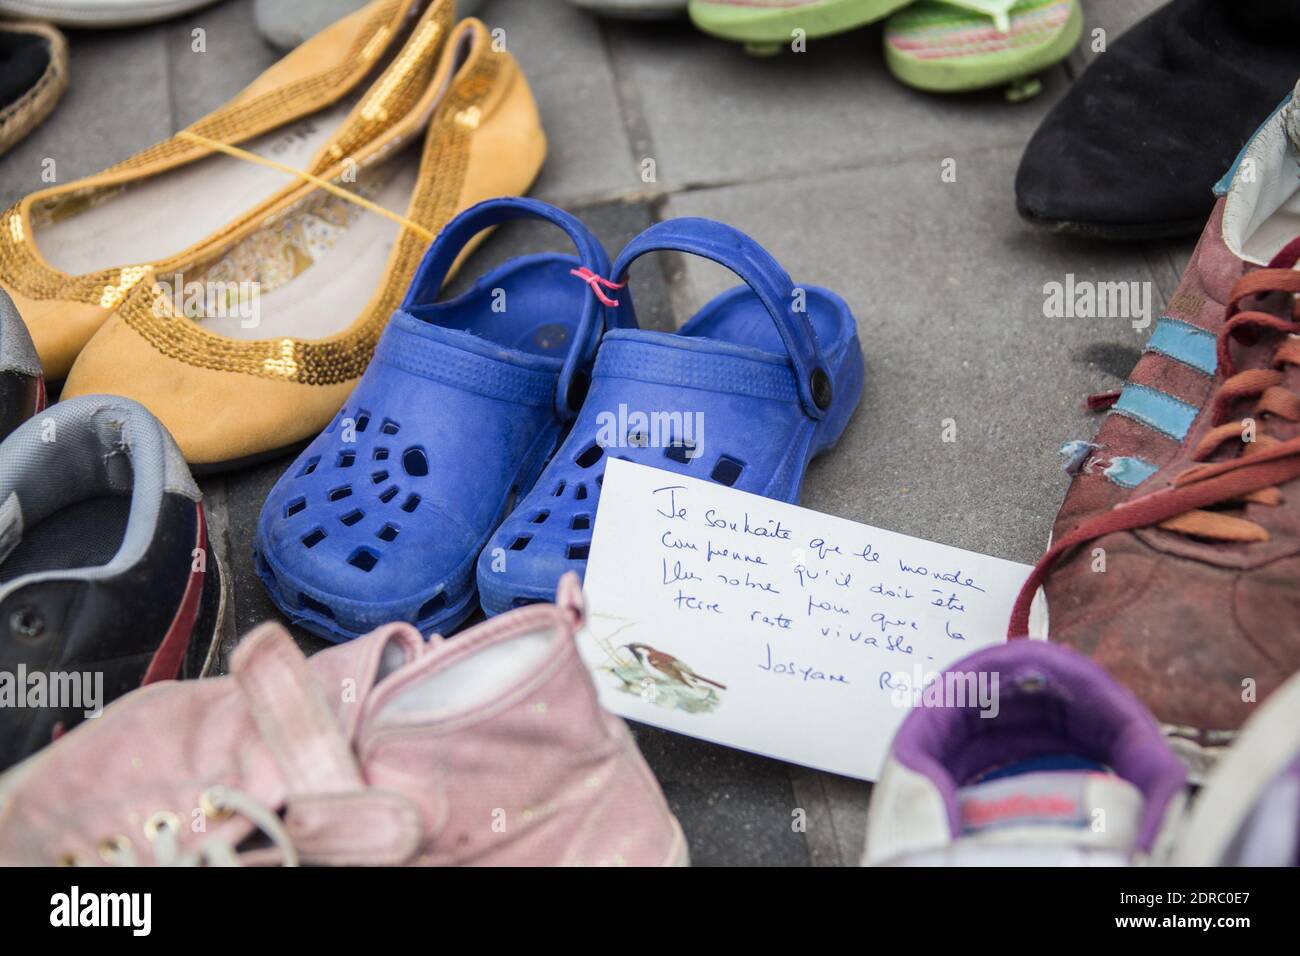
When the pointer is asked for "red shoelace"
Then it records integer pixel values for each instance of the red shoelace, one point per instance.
(1252, 476)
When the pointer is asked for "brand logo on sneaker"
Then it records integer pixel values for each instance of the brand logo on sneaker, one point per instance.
(1019, 807)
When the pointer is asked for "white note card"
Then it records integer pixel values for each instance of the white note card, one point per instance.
(768, 627)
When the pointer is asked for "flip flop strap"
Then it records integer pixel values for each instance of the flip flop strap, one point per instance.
(764, 275)
(437, 263)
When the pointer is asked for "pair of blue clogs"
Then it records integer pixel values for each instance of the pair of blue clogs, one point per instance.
(441, 476)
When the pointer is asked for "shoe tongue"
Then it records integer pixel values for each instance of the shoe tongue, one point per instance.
(1073, 808)
(1261, 198)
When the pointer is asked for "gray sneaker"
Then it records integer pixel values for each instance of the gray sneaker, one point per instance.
(22, 387)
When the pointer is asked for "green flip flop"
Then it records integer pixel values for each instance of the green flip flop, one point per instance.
(953, 46)
(766, 26)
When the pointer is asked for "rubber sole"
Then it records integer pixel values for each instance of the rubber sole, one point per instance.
(205, 641)
(496, 601)
(765, 26)
(1199, 759)
(328, 629)
(446, 623)
(1119, 232)
(966, 74)
(31, 109)
(249, 461)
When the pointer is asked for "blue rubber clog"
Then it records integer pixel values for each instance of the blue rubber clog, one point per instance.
(383, 516)
(762, 380)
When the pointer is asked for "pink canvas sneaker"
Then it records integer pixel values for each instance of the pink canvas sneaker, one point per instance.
(488, 749)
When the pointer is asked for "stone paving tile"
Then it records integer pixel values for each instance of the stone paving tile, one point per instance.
(117, 103)
(947, 285)
(735, 808)
(242, 493)
(717, 115)
(231, 57)
(836, 821)
(563, 56)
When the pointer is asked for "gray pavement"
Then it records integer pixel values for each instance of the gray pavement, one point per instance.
(836, 169)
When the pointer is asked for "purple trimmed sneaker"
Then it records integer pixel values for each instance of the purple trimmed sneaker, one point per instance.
(1025, 754)
(1248, 813)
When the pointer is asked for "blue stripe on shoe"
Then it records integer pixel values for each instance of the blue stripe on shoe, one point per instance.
(1164, 413)
(1184, 342)
(1129, 472)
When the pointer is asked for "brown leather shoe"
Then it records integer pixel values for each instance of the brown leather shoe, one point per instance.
(1176, 554)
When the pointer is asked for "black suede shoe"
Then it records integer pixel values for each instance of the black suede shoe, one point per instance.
(22, 389)
(107, 579)
(1133, 150)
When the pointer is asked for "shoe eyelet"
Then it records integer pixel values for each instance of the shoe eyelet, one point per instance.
(1032, 683)
(160, 821)
(113, 847)
(27, 623)
(210, 804)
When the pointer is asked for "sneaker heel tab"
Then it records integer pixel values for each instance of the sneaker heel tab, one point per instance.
(266, 639)
(409, 638)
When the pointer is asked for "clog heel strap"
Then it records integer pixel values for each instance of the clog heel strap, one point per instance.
(773, 286)
(458, 233)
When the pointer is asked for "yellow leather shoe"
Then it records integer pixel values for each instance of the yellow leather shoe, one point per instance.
(253, 348)
(69, 253)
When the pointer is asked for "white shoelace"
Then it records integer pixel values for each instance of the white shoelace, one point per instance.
(167, 850)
